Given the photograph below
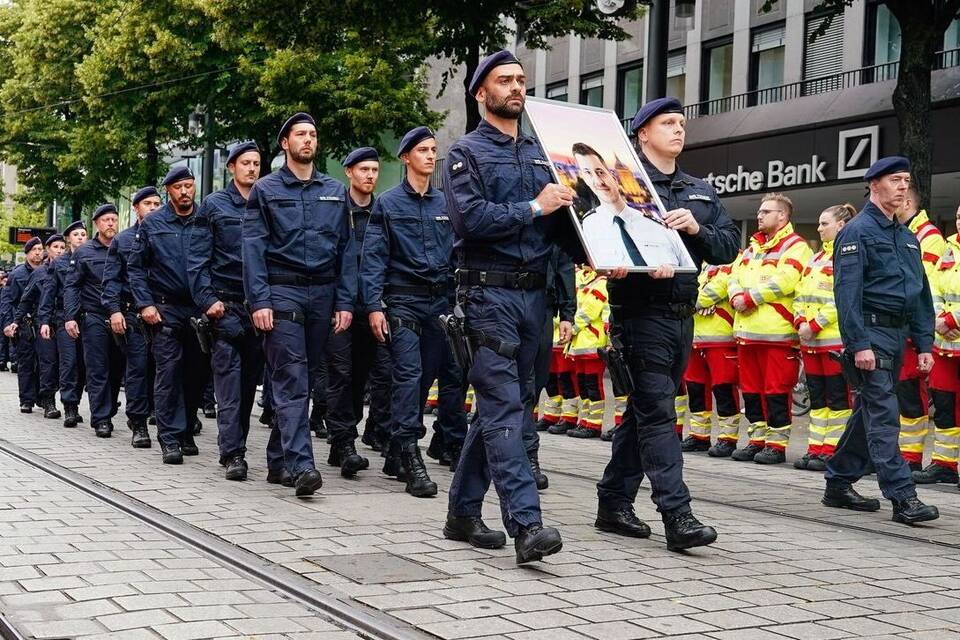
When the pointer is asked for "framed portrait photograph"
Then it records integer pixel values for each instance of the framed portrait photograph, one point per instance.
(616, 212)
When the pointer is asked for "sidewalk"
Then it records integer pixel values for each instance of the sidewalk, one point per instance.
(783, 567)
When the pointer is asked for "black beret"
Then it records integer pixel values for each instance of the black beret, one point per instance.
(487, 65)
(73, 226)
(54, 238)
(886, 166)
(143, 194)
(176, 174)
(241, 148)
(31, 243)
(413, 137)
(103, 210)
(359, 155)
(654, 108)
(296, 118)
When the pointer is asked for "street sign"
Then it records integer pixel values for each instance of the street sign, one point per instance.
(20, 235)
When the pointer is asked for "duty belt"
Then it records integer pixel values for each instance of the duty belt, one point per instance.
(428, 290)
(510, 280)
(173, 300)
(884, 320)
(230, 296)
(298, 280)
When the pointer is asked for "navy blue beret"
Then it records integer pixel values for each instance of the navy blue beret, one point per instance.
(73, 226)
(103, 210)
(487, 65)
(143, 194)
(359, 155)
(31, 243)
(54, 238)
(176, 174)
(296, 118)
(241, 148)
(413, 137)
(885, 166)
(654, 108)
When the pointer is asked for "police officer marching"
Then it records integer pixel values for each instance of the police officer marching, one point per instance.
(47, 361)
(652, 313)
(21, 329)
(403, 287)
(299, 270)
(882, 296)
(215, 270)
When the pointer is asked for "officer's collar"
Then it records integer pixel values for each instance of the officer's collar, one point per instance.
(488, 130)
(416, 194)
(356, 207)
(235, 194)
(679, 180)
(289, 178)
(170, 214)
(880, 216)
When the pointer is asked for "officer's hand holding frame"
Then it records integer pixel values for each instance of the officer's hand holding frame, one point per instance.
(682, 220)
(553, 196)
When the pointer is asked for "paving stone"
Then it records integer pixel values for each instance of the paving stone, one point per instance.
(197, 630)
(615, 631)
(135, 619)
(811, 631)
(674, 625)
(864, 626)
(57, 630)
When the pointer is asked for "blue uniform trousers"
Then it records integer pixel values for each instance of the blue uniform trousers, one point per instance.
(27, 379)
(539, 377)
(104, 365)
(72, 373)
(49, 367)
(237, 364)
(4, 348)
(493, 449)
(646, 443)
(182, 373)
(293, 350)
(356, 358)
(452, 386)
(138, 378)
(873, 429)
(415, 359)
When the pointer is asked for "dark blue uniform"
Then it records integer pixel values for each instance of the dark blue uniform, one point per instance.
(882, 297)
(117, 298)
(48, 369)
(299, 259)
(102, 356)
(69, 350)
(502, 252)
(655, 321)
(451, 423)
(157, 273)
(26, 333)
(404, 273)
(215, 271)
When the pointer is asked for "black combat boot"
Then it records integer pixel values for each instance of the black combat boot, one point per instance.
(141, 436)
(912, 511)
(50, 410)
(538, 475)
(419, 483)
(536, 541)
(26, 407)
(473, 530)
(684, 531)
(104, 429)
(392, 463)
(197, 427)
(171, 453)
(453, 454)
(71, 417)
(435, 449)
(844, 496)
(210, 411)
(369, 437)
(189, 446)
(308, 482)
(344, 455)
(236, 468)
(265, 417)
(317, 424)
(622, 521)
(279, 476)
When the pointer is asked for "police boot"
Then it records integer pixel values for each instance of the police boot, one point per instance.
(317, 424)
(265, 417)
(435, 449)
(684, 531)
(280, 477)
(308, 482)
(770, 455)
(197, 427)
(392, 464)
(723, 449)
(694, 445)
(171, 453)
(3, 366)
(13, 367)
(453, 454)
(152, 420)
(210, 411)
(473, 530)
(26, 407)
(419, 483)
(538, 475)
(345, 456)
(71, 417)
(236, 468)
(912, 511)
(747, 454)
(141, 436)
(369, 437)
(536, 541)
(104, 429)
(844, 496)
(189, 446)
(50, 410)
(935, 473)
(622, 521)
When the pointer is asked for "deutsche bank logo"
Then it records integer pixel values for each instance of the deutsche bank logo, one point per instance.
(857, 150)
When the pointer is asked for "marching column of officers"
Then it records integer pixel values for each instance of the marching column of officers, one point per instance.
(282, 277)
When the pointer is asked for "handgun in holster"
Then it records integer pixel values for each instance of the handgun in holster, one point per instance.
(30, 325)
(853, 374)
(614, 358)
(454, 326)
(204, 330)
(119, 339)
(143, 329)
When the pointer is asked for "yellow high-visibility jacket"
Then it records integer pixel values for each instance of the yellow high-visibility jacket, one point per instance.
(713, 324)
(765, 276)
(814, 303)
(945, 287)
(593, 310)
(932, 244)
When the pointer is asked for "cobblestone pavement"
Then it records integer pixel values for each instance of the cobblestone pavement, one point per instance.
(783, 567)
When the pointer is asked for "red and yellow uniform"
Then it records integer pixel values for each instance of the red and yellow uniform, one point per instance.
(830, 399)
(562, 396)
(911, 390)
(712, 369)
(589, 334)
(765, 277)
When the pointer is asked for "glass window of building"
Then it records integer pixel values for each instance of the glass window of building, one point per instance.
(951, 38)
(557, 92)
(591, 91)
(718, 74)
(629, 90)
(766, 64)
(823, 56)
(677, 75)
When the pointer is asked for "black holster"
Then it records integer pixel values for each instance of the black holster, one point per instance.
(119, 339)
(454, 326)
(614, 357)
(852, 374)
(204, 331)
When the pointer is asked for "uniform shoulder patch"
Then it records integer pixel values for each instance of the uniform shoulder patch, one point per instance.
(849, 248)
(458, 166)
(542, 163)
(699, 196)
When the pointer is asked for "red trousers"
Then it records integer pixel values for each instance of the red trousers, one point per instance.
(712, 371)
(768, 373)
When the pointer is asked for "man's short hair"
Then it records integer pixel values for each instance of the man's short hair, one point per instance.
(581, 149)
(782, 199)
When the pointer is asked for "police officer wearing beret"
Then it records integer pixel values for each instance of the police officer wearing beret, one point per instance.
(652, 314)
(50, 317)
(124, 321)
(355, 356)
(21, 329)
(157, 272)
(299, 270)
(500, 197)
(48, 365)
(882, 297)
(403, 287)
(215, 268)
(86, 318)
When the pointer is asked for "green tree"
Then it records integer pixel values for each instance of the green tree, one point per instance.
(20, 216)
(922, 26)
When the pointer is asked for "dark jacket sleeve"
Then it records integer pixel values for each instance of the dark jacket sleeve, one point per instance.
(31, 294)
(48, 296)
(849, 262)
(112, 278)
(374, 259)
(256, 232)
(347, 263)
(718, 240)
(72, 288)
(200, 255)
(923, 319)
(565, 287)
(137, 264)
